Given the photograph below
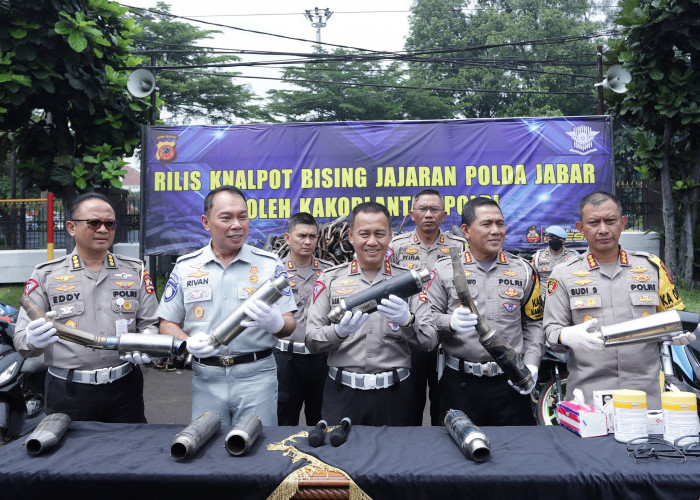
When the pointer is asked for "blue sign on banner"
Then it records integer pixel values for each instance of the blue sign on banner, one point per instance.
(536, 168)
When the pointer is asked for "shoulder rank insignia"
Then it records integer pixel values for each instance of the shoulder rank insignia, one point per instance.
(502, 257)
(592, 262)
(624, 261)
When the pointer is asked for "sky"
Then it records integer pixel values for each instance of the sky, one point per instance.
(366, 24)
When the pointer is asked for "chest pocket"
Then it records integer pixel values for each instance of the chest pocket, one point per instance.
(585, 307)
(125, 306)
(644, 303)
(510, 292)
(196, 294)
(68, 310)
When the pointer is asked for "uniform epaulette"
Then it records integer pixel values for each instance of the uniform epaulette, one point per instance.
(572, 261)
(322, 261)
(191, 254)
(641, 253)
(127, 258)
(453, 236)
(400, 236)
(53, 261)
(337, 266)
(264, 253)
(399, 267)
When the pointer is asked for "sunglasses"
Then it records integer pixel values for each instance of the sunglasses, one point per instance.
(95, 224)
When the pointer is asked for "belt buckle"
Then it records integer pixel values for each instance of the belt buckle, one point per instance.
(370, 381)
(226, 361)
(102, 376)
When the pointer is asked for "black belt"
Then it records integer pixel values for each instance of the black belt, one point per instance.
(234, 360)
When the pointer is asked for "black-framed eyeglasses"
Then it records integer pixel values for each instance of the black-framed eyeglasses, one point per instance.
(95, 224)
(654, 448)
(424, 209)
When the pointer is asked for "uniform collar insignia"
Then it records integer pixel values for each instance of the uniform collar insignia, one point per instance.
(290, 264)
(387, 267)
(502, 257)
(76, 263)
(468, 257)
(416, 239)
(316, 264)
(111, 264)
(354, 268)
(624, 261)
(442, 238)
(592, 262)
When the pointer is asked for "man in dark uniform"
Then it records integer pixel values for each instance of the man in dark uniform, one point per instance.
(415, 249)
(96, 291)
(368, 354)
(300, 374)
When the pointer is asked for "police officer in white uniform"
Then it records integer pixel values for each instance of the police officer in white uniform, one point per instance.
(98, 292)
(203, 289)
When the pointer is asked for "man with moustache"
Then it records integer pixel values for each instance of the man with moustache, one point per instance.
(98, 292)
(506, 291)
(606, 285)
(204, 288)
(300, 374)
(368, 354)
(422, 247)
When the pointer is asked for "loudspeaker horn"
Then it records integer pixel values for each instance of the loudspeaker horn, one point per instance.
(616, 79)
(141, 83)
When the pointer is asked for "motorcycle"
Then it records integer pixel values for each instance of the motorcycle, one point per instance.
(550, 388)
(21, 387)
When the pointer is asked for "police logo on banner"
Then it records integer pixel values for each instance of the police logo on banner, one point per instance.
(280, 271)
(171, 287)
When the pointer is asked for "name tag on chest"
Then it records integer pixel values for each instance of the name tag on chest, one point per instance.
(198, 294)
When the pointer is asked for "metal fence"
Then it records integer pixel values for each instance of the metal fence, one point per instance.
(23, 223)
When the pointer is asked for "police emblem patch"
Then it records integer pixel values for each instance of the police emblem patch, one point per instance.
(319, 286)
(552, 285)
(510, 307)
(30, 286)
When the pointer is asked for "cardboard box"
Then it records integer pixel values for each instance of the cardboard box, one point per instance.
(582, 419)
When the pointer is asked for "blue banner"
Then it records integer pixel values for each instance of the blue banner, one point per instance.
(538, 169)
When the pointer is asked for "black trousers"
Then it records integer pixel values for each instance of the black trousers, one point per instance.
(300, 379)
(118, 402)
(391, 406)
(486, 400)
(424, 373)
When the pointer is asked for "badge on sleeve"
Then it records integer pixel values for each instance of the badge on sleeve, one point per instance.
(31, 285)
(552, 285)
(171, 287)
(319, 286)
(281, 271)
(148, 282)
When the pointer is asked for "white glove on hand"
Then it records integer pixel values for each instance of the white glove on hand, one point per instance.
(684, 338)
(198, 346)
(463, 320)
(579, 338)
(395, 309)
(350, 323)
(265, 316)
(137, 358)
(534, 371)
(41, 333)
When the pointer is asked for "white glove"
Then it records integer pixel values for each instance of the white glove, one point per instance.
(463, 320)
(579, 337)
(534, 371)
(198, 346)
(684, 338)
(395, 309)
(265, 316)
(350, 323)
(41, 333)
(137, 358)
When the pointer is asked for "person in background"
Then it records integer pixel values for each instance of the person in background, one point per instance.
(556, 252)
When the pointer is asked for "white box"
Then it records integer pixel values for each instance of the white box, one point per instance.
(582, 419)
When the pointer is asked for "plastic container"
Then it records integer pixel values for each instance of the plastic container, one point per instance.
(680, 417)
(630, 415)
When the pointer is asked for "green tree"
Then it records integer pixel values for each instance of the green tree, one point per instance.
(517, 52)
(660, 48)
(341, 86)
(188, 94)
(62, 94)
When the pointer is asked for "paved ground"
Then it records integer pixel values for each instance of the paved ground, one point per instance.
(168, 397)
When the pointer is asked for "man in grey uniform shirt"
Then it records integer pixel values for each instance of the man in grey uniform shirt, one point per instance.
(98, 292)
(300, 374)
(368, 354)
(415, 249)
(204, 288)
